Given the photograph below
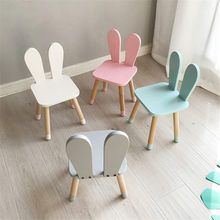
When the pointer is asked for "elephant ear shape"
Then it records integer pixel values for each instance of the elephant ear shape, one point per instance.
(190, 80)
(174, 69)
(114, 44)
(35, 65)
(56, 55)
(79, 152)
(115, 148)
(133, 44)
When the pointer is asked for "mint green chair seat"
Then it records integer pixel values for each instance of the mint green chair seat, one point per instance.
(164, 98)
(159, 99)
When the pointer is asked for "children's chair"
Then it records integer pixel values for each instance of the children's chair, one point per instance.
(163, 98)
(112, 71)
(49, 92)
(97, 153)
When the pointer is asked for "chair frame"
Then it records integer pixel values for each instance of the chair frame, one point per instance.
(192, 69)
(73, 102)
(115, 58)
(76, 179)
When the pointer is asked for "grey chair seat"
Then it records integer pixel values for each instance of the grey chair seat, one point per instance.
(97, 139)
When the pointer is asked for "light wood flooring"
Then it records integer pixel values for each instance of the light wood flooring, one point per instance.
(164, 183)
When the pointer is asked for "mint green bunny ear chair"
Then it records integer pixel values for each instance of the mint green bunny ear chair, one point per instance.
(163, 98)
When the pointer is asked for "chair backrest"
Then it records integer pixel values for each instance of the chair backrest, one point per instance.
(115, 148)
(79, 152)
(34, 63)
(133, 44)
(114, 44)
(190, 80)
(56, 54)
(174, 69)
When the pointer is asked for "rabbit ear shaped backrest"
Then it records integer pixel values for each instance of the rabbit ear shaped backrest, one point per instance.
(190, 80)
(55, 54)
(114, 44)
(115, 148)
(79, 152)
(133, 44)
(174, 70)
(34, 63)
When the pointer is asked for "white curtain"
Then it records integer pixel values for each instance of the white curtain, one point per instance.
(193, 28)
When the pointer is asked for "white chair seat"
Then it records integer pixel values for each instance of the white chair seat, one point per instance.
(54, 91)
(97, 139)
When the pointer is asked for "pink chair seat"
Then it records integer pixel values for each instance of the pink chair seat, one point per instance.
(117, 73)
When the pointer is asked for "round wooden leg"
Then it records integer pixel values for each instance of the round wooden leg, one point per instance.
(105, 86)
(94, 91)
(47, 123)
(131, 86)
(38, 112)
(152, 132)
(122, 100)
(74, 188)
(134, 111)
(176, 126)
(79, 111)
(122, 186)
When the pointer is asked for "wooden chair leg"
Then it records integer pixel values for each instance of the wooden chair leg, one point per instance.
(131, 86)
(122, 186)
(134, 111)
(74, 188)
(105, 86)
(38, 111)
(79, 111)
(94, 91)
(122, 100)
(176, 126)
(47, 123)
(71, 103)
(152, 132)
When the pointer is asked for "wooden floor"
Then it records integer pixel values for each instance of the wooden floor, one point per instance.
(164, 183)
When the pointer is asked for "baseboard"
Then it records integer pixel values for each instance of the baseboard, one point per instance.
(73, 70)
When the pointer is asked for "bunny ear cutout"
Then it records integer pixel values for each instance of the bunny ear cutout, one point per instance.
(115, 149)
(174, 69)
(35, 65)
(56, 59)
(133, 44)
(79, 151)
(114, 44)
(190, 80)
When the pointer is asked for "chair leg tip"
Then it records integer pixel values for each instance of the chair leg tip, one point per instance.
(38, 117)
(124, 195)
(71, 199)
(48, 137)
(123, 114)
(83, 122)
(130, 121)
(149, 146)
(176, 140)
(91, 102)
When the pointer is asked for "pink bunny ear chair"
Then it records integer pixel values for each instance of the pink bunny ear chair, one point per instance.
(112, 71)
(49, 92)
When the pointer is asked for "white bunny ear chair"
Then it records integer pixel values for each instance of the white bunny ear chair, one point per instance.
(49, 92)
(97, 153)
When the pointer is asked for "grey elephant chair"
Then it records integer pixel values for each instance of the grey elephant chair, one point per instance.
(97, 153)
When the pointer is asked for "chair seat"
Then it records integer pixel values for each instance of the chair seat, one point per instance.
(159, 99)
(54, 91)
(97, 139)
(116, 73)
